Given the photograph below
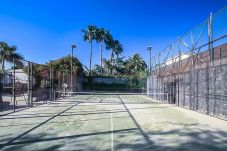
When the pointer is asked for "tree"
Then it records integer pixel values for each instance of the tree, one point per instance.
(101, 35)
(7, 54)
(136, 71)
(120, 65)
(62, 67)
(135, 64)
(107, 66)
(89, 35)
(116, 49)
(97, 69)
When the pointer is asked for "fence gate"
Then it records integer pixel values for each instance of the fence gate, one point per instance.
(171, 89)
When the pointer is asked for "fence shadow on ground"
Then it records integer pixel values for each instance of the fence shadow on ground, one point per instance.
(197, 138)
(209, 141)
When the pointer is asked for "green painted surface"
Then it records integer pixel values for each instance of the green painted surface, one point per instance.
(117, 122)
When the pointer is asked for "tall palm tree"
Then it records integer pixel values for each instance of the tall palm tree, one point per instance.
(116, 49)
(8, 53)
(89, 35)
(101, 35)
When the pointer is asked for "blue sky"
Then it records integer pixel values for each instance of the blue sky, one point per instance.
(43, 30)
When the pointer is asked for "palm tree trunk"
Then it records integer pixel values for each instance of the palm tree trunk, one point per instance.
(90, 57)
(101, 57)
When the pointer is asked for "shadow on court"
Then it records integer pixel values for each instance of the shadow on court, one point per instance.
(128, 133)
(196, 142)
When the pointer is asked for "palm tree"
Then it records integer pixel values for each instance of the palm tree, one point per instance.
(8, 54)
(97, 69)
(86, 70)
(116, 48)
(89, 35)
(135, 64)
(120, 65)
(101, 35)
(107, 65)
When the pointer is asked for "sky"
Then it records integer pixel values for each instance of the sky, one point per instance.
(44, 30)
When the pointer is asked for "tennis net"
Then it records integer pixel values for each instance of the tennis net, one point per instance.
(109, 97)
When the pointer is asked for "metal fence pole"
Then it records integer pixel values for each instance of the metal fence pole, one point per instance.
(63, 84)
(220, 56)
(31, 84)
(207, 90)
(29, 89)
(50, 84)
(210, 35)
(14, 96)
(179, 50)
(54, 95)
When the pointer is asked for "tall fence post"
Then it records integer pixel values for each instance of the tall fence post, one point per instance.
(210, 35)
(63, 84)
(31, 84)
(50, 85)
(179, 50)
(14, 96)
(220, 56)
(207, 89)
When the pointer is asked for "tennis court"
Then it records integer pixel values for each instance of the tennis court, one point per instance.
(101, 121)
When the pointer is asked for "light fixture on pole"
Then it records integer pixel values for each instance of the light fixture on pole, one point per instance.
(71, 77)
(149, 48)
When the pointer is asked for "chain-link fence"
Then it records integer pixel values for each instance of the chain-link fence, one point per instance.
(25, 84)
(193, 69)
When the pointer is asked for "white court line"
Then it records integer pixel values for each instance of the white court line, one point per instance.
(112, 141)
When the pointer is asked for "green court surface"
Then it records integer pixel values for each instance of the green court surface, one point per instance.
(111, 122)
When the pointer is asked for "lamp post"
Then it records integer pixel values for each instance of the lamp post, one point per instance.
(71, 77)
(149, 48)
